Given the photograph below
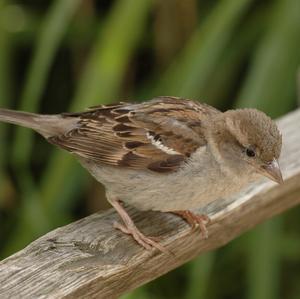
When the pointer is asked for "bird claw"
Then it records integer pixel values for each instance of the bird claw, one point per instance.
(195, 221)
(147, 242)
(129, 228)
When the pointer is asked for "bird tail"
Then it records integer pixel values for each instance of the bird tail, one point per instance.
(24, 119)
(46, 125)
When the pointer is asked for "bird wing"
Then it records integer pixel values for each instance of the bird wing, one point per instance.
(158, 135)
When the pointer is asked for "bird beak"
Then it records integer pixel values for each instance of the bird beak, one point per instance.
(272, 171)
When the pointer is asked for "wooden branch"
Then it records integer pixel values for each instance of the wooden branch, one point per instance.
(90, 259)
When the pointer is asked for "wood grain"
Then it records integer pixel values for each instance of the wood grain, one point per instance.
(89, 259)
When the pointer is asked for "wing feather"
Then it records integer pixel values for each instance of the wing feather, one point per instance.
(158, 135)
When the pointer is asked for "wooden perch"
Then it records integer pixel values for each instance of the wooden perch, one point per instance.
(90, 259)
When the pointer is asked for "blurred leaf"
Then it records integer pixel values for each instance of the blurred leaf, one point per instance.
(271, 82)
(5, 64)
(290, 247)
(117, 40)
(221, 86)
(264, 261)
(190, 72)
(5, 96)
(169, 35)
(139, 293)
(199, 274)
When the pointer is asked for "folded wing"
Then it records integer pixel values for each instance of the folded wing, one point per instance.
(158, 135)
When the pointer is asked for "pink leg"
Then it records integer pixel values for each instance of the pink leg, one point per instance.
(195, 220)
(129, 228)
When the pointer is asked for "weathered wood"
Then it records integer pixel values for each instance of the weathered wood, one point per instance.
(89, 259)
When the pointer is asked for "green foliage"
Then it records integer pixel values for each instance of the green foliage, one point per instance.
(226, 53)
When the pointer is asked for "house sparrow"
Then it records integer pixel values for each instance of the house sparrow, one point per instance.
(168, 154)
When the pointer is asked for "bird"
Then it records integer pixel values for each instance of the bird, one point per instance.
(167, 154)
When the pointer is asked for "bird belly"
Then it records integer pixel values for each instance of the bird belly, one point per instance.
(189, 188)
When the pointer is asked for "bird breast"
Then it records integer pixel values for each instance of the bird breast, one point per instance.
(199, 182)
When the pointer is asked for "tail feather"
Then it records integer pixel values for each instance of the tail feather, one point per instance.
(46, 125)
(24, 119)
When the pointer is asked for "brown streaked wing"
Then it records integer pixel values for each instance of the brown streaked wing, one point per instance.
(120, 134)
(176, 122)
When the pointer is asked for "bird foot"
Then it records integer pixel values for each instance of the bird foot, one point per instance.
(195, 221)
(129, 228)
(147, 242)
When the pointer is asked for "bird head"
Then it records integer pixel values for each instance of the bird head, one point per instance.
(253, 140)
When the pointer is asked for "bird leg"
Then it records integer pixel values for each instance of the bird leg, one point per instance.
(195, 220)
(129, 228)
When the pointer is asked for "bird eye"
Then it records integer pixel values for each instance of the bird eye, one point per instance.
(250, 152)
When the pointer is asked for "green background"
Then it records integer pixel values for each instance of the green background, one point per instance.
(66, 55)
